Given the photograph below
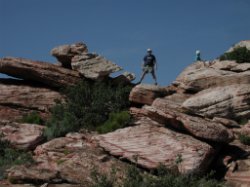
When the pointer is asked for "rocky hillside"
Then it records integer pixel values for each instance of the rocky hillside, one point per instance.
(198, 123)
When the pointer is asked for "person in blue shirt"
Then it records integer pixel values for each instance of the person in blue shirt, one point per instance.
(198, 55)
(149, 66)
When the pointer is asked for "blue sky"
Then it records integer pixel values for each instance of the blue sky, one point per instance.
(122, 30)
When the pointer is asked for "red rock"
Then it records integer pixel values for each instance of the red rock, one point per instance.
(196, 126)
(22, 135)
(145, 93)
(71, 158)
(149, 144)
(19, 98)
(47, 73)
(239, 175)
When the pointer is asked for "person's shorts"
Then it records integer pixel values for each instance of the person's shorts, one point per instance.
(148, 69)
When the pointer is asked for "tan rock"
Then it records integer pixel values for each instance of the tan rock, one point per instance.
(46, 73)
(146, 93)
(94, 68)
(72, 158)
(196, 77)
(19, 98)
(150, 144)
(227, 101)
(196, 126)
(22, 135)
(239, 175)
(65, 53)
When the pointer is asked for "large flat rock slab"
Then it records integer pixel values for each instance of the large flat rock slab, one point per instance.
(150, 144)
(43, 72)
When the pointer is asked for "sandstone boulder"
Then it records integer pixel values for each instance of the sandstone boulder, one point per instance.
(69, 159)
(227, 101)
(19, 98)
(196, 77)
(46, 73)
(93, 68)
(198, 127)
(149, 144)
(146, 93)
(22, 135)
(65, 53)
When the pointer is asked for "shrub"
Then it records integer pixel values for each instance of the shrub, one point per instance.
(240, 54)
(10, 157)
(116, 120)
(88, 105)
(245, 139)
(161, 178)
(33, 117)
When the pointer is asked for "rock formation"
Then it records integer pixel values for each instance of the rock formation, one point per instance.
(149, 144)
(65, 53)
(186, 126)
(19, 98)
(42, 72)
(22, 135)
(89, 65)
(68, 159)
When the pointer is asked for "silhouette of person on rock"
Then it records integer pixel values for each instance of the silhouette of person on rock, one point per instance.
(149, 66)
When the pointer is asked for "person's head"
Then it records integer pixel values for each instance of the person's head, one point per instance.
(197, 52)
(149, 51)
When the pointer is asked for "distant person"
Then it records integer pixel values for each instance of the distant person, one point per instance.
(149, 66)
(198, 55)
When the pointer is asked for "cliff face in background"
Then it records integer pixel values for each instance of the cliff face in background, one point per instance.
(195, 120)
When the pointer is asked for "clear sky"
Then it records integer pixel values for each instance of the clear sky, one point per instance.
(122, 30)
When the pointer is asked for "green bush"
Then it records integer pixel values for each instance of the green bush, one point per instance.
(116, 120)
(33, 117)
(244, 139)
(10, 157)
(88, 105)
(161, 178)
(240, 54)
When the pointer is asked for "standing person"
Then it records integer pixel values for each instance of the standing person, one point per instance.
(198, 55)
(149, 66)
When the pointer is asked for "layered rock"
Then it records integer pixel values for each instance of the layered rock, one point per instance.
(19, 98)
(69, 159)
(196, 77)
(198, 127)
(149, 144)
(22, 135)
(46, 73)
(227, 101)
(65, 53)
(89, 65)
(146, 94)
(93, 67)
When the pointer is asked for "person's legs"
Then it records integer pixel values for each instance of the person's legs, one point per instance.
(154, 77)
(142, 77)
